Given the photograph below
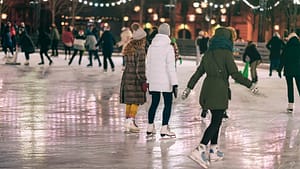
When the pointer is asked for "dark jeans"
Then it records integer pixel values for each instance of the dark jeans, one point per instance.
(46, 54)
(67, 50)
(290, 87)
(167, 107)
(274, 64)
(27, 57)
(95, 53)
(54, 47)
(211, 134)
(10, 49)
(74, 54)
(107, 55)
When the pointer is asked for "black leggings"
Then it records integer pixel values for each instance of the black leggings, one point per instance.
(212, 132)
(167, 107)
(290, 87)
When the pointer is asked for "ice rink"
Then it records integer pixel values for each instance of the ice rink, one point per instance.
(64, 117)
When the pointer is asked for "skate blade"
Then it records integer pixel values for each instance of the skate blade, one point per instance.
(168, 137)
(196, 161)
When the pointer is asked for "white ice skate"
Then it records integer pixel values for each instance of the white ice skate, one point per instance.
(151, 131)
(165, 132)
(215, 154)
(199, 155)
(290, 108)
(130, 126)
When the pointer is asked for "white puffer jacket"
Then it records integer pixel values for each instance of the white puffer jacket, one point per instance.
(160, 65)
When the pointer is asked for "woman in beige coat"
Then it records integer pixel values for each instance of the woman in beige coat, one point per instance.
(133, 77)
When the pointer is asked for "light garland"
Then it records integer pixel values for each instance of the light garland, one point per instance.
(96, 4)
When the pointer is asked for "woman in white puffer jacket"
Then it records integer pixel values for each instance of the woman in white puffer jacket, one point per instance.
(162, 78)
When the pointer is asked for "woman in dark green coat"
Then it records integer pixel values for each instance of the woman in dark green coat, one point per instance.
(218, 64)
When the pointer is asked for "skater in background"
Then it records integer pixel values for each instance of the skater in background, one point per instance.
(126, 36)
(275, 45)
(79, 46)
(44, 41)
(92, 48)
(218, 64)
(107, 42)
(7, 39)
(162, 79)
(131, 92)
(290, 62)
(253, 58)
(201, 44)
(54, 34)
(26, 44)
(67, 39)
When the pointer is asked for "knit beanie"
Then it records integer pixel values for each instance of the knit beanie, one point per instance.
(164, 29)
(291, 35)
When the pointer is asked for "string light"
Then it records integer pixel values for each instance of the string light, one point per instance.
(111, 4)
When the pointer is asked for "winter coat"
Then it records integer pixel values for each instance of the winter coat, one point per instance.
(54, 34)
(134, 74)
(218, 64)
(90, 42)
(290, 59)
(202, 44)
(107, 42)
(252, 52)
(67, 38)
(79, 42)
(160, 67)
(44, 41)
(275, 45)
(26, 43)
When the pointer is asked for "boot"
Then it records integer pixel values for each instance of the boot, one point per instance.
(166, 133)
(151, 130)
(199, 155)
(215, 154)
(290, 108)
(131, 126)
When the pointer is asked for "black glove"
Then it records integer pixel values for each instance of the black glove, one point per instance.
(175, 90)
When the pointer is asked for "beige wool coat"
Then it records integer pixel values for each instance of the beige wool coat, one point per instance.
(134, 73)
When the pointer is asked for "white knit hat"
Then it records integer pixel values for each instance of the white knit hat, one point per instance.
(139, 34)
(291, 35)
(164, 29)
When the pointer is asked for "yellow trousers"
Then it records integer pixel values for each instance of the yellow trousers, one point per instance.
(131, 110)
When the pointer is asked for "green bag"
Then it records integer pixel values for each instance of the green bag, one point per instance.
(246, 70)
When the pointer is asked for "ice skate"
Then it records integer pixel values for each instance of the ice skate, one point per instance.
(215, 154)
(290, 108)
(165, 132)
(130, 126)
(199, 155)
(150, 131)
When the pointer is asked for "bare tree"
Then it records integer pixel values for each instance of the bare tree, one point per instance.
(58, 7)
(76, 8)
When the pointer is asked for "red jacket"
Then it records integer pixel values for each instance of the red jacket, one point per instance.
(67, 38)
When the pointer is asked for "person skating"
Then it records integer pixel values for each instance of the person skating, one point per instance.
(54, 34)
(218, 64)
(92, 48)
(78, 46)
(27, 45)
(44, 41)
(162, 78)
(133, 78)
(107, 42)
(290, 62)
(254, 59)
(275, 45)
(68, 40)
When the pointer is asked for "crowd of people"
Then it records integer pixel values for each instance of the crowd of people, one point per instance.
(149, 65)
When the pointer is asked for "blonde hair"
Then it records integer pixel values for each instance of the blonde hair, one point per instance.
(233, 33)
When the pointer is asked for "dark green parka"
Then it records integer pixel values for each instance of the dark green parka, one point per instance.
(218, 64)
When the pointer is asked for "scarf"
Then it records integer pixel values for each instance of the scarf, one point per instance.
(220, 43)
